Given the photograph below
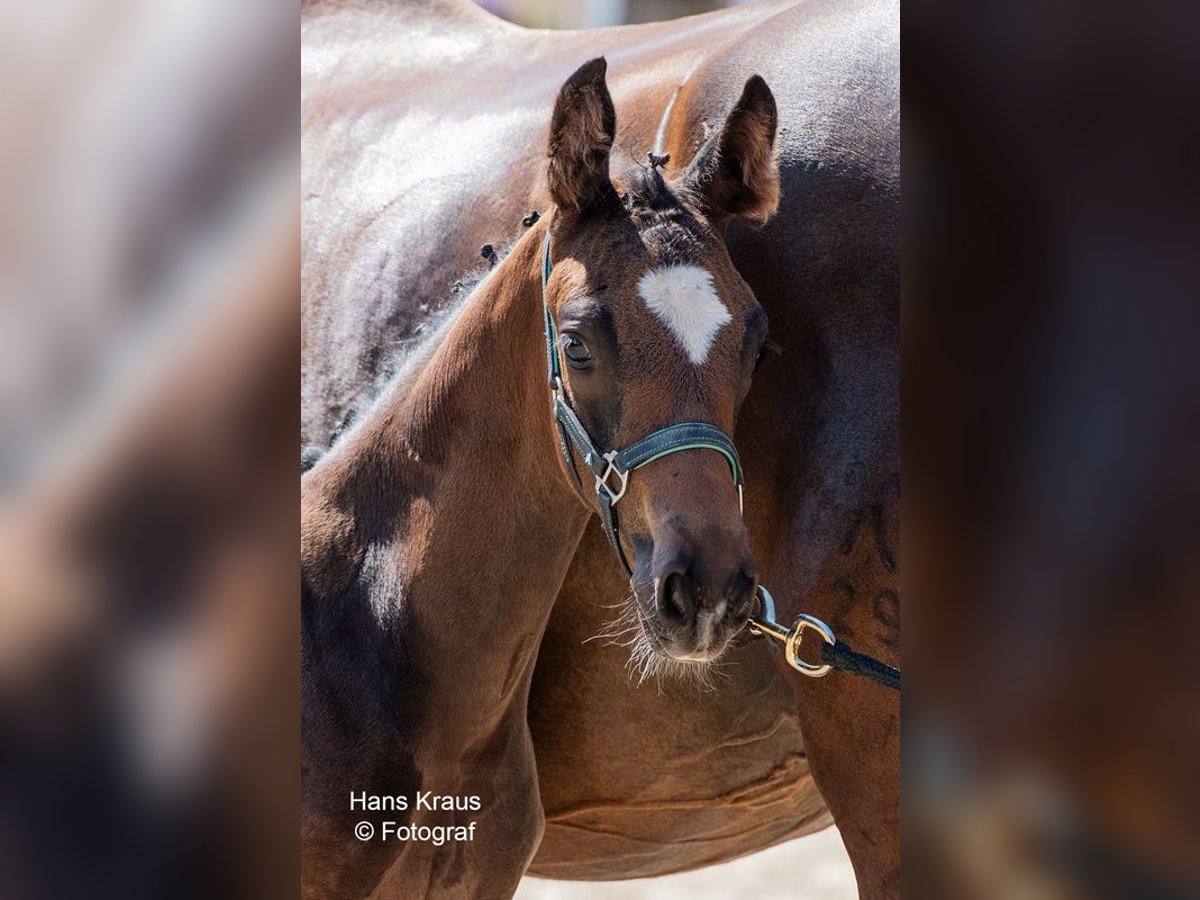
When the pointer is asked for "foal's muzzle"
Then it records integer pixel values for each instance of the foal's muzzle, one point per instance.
(703, 591)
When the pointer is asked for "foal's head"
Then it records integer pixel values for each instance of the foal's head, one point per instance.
(656, 327)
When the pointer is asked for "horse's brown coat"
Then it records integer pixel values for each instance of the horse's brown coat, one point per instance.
(818, 431)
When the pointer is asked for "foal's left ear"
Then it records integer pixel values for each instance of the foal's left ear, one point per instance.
(581, 135)
(736, 173)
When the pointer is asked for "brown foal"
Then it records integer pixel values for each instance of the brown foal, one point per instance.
(437, 533)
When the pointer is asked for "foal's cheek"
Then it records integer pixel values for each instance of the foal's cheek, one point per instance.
(637, 516)
(640, 547)
(596, 395)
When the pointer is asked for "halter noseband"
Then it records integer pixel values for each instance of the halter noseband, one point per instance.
(612, 469)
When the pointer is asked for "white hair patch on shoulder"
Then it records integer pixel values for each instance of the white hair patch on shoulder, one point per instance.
(684, 299)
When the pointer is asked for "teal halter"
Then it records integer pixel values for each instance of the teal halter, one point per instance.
(612, 469)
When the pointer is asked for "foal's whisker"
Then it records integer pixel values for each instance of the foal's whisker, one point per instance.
(623, 624)
(620, 604)
(626, 629)
(607, 636)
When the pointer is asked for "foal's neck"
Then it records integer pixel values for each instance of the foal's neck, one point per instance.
(447, 511)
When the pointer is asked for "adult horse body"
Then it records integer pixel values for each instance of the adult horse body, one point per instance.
(415, 112)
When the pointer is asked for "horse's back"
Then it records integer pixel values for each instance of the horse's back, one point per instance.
(401, 161)
(423, 133)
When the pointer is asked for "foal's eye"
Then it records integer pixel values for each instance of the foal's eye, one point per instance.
(762, 352)
(576, 351)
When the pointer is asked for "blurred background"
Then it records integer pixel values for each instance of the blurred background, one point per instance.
(1051, 425)
(596, 13)
(148, 384)
(148, 381)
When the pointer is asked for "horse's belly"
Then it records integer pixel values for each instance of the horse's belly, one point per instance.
(683, 828)
(644, 781)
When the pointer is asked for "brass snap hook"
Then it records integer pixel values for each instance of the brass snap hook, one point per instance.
(792, 645)
(763, 622)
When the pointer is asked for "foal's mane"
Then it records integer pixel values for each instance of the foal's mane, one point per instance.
(410, 354)
(646, 197)
(407, 357)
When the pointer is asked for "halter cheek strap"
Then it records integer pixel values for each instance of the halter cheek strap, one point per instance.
(611, 469)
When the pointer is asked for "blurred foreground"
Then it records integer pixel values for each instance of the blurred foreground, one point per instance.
(148, 354)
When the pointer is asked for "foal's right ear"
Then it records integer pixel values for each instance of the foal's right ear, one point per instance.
(581, 135)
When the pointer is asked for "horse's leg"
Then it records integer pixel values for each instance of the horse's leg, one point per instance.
(852, 726)
(504, 839)
(484, 862)
(508, 827)
(334, 862)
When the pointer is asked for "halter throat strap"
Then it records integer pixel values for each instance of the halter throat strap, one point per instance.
(611, 469)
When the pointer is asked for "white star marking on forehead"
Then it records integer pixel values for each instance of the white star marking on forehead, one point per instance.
(684, 299)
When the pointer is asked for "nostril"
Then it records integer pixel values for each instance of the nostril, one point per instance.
(742, 588)
(674, 601)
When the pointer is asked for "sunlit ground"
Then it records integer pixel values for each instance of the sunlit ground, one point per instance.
(811, 868)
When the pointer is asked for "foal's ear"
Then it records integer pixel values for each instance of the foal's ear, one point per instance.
(736, 173)
(581, 135)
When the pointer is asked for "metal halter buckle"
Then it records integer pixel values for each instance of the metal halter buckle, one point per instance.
(622, 477)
